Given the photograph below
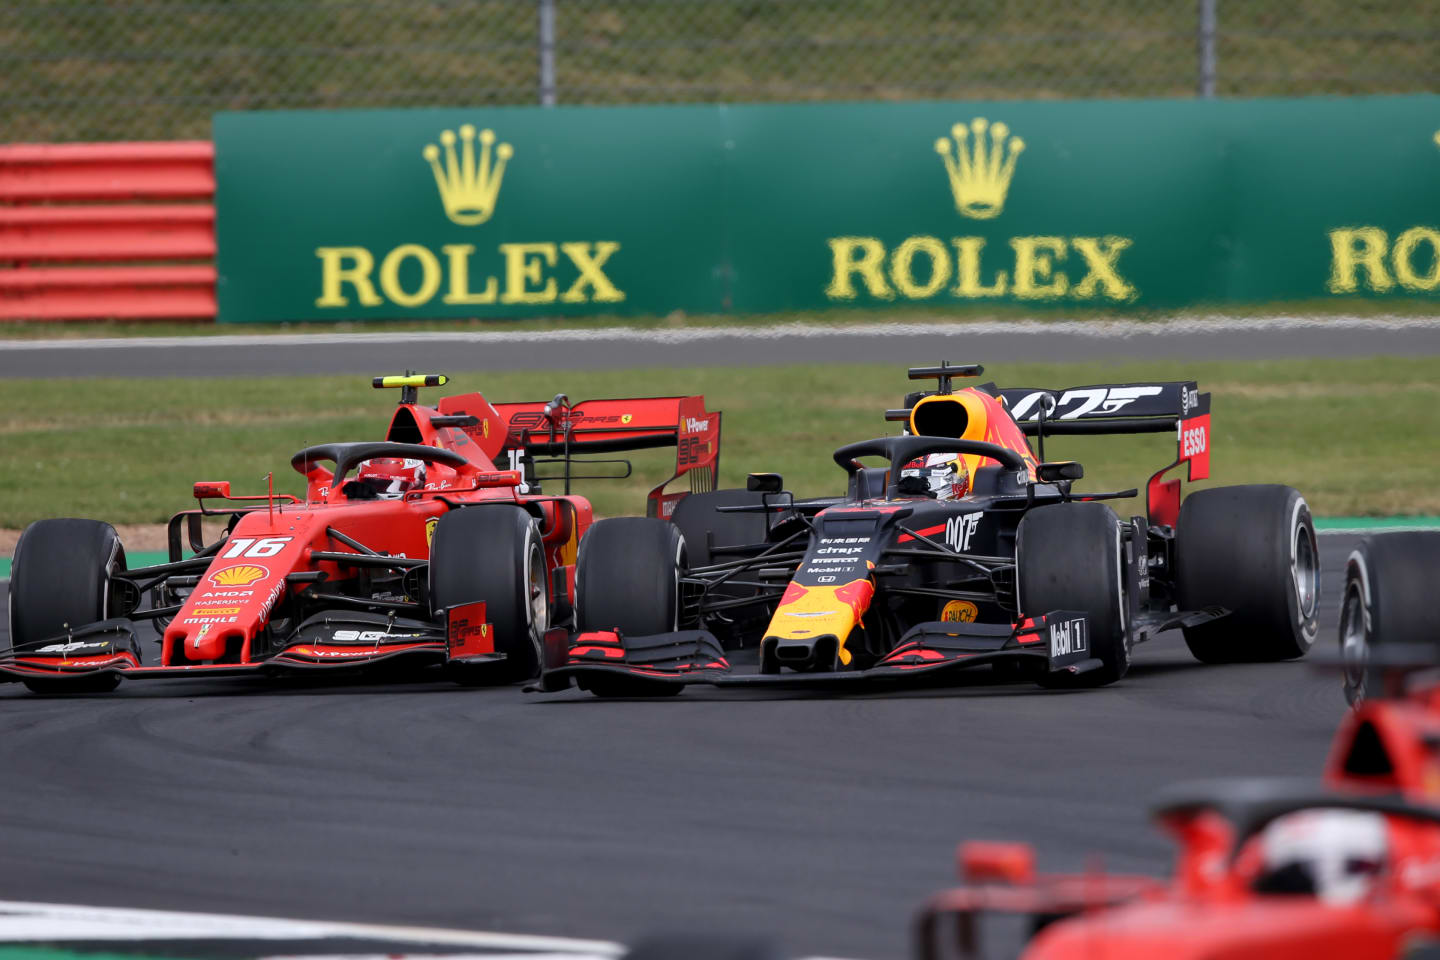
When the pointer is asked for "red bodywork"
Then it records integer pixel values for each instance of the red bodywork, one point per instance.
(271, 550)
(1208, 909)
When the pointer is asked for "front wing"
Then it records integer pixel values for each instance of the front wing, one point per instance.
(605, 660)
(348, 640)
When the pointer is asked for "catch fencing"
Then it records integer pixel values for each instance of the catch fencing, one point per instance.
(82, 70)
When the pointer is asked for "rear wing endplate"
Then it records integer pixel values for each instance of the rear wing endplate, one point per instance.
(559, 428)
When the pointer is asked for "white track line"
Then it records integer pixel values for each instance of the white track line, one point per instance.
(28, 922)
(1096, 329)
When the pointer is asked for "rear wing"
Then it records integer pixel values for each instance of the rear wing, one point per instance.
(560, 430)
(1106, 407)
(1102, 408)
(1120, 408)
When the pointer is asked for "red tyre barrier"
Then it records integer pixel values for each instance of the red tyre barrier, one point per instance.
(42, 221)
(132, 293)
(173, 170)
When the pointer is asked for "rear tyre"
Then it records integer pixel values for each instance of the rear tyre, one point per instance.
(702, 524)
(61, 576)
(494, 554)
(1068, 557)
(1386, 604)
(627, 576)
(1252, 550)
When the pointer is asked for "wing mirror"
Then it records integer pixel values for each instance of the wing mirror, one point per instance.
(504, 478)
(1058, 470)
(764, 483)
(987, 862)
(212, 490)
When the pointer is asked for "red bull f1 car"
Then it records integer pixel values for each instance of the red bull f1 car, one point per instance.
(435, 545)
(1344, 869)
(898, 580)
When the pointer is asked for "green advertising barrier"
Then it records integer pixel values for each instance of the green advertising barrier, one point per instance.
(577, 210)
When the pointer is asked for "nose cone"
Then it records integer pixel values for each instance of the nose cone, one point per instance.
(231, 602)
(814, 621)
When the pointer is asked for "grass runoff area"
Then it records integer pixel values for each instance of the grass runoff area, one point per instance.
(1356, 436)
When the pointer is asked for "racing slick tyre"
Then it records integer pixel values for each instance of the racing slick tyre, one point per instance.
(702, 523)
(1250, 549)
(1068, 557)
(61, 575)
(627, 578)
(1386, 604)
(494, 554)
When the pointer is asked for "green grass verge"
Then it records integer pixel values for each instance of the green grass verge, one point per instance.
(1356, 436)
(917, 313)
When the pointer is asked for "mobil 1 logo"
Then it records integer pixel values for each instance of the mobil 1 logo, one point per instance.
(1069, 637)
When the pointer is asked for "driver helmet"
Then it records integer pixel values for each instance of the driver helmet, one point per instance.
(1336, 855)
(943, 476)
(391, 477)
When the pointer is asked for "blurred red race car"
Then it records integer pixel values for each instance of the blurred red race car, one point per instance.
(435, 546)
(1266, 869)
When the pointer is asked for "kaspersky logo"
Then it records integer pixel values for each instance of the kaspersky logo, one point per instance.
(468, 169)
(979, 160)
(980, 174)
(468, 184)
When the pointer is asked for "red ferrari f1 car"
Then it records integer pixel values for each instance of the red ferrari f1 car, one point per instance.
(959, 548)
(1344, 869)
(435, 545)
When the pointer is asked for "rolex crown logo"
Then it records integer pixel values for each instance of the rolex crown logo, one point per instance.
(468, 184)
(980, 176)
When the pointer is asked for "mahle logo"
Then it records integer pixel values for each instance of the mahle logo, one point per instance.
(980, 177)
(468, 170)
(469, 185)
(980, 159)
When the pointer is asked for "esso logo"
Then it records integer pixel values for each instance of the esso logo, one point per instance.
(1194, 441)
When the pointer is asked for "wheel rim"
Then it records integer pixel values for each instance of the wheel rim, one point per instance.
(538, 599)
(1305, 571)
(679, 566)
(1354, 644)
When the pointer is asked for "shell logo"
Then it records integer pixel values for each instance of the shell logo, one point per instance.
(240, 575)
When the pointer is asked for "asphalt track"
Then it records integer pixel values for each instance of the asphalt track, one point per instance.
(824, 820)
(580, 348)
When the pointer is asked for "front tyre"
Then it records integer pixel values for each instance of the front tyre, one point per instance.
(1068, 557)
(1386, 604)
(60, 579)
(1252, 550)
(493, 554)
(627, 576)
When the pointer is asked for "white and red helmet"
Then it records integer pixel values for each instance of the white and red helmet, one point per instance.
(391, 477)
(1337, 855)
(945, 475)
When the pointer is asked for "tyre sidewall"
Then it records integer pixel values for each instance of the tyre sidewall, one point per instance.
(1236, 548)
(487, 554)
(627, 576)
(61, 574)
(1386, 576)
(1059, 547)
